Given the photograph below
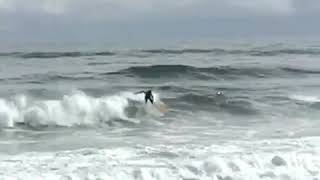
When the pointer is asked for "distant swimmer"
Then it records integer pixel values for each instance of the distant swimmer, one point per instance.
(147, 95)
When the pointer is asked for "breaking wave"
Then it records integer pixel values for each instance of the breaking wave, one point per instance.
(72, 110)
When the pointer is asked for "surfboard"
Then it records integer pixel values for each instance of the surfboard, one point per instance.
(162, 107)
(130, 120)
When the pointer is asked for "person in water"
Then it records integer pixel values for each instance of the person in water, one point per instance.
(147, 96)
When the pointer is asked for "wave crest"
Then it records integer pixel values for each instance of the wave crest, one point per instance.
(72, 110)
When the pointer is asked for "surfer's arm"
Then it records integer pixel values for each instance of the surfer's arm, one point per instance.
(140, 92)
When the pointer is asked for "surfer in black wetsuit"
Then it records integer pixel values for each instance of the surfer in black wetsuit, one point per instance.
(147, 95)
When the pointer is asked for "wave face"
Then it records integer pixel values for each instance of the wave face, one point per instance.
(157, 71)
(221, 72)
(77, 109)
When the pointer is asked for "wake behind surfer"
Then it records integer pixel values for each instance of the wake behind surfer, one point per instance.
(147, 96)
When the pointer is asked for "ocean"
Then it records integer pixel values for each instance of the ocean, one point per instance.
(237, 111)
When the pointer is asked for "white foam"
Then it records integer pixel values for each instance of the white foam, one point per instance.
(74, 109)
(305, 98)
(9, 114)
(254, 160)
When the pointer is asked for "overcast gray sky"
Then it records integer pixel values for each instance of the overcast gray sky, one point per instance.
(100, 20)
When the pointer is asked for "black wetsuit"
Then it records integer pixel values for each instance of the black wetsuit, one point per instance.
(147, 95)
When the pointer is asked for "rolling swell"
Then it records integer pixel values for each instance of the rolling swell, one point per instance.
(219, 72)
(220, 51)
(219, 103)
(181, 51)
(51, 77)
(157, 71)
(46, 55)
(170, 71)
(64, 54)
(301, 71)
(150, 52)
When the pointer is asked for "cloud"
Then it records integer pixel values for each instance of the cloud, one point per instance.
(34, 6)
(103, 19)
(5, 5)
(108, 9)
(129, 10)
(265, 6)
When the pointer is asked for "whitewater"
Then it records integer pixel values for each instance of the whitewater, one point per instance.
(234, 112)
(72, 110)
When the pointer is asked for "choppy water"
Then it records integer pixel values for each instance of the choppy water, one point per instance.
(74, 114)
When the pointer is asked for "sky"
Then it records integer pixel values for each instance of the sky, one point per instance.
(29, 21)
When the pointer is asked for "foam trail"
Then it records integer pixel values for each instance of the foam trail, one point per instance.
(310, 99)
(75, 109)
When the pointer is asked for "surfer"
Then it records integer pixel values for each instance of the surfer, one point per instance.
(147, 95)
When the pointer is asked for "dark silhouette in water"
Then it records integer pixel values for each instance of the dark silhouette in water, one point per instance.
(147, 95)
